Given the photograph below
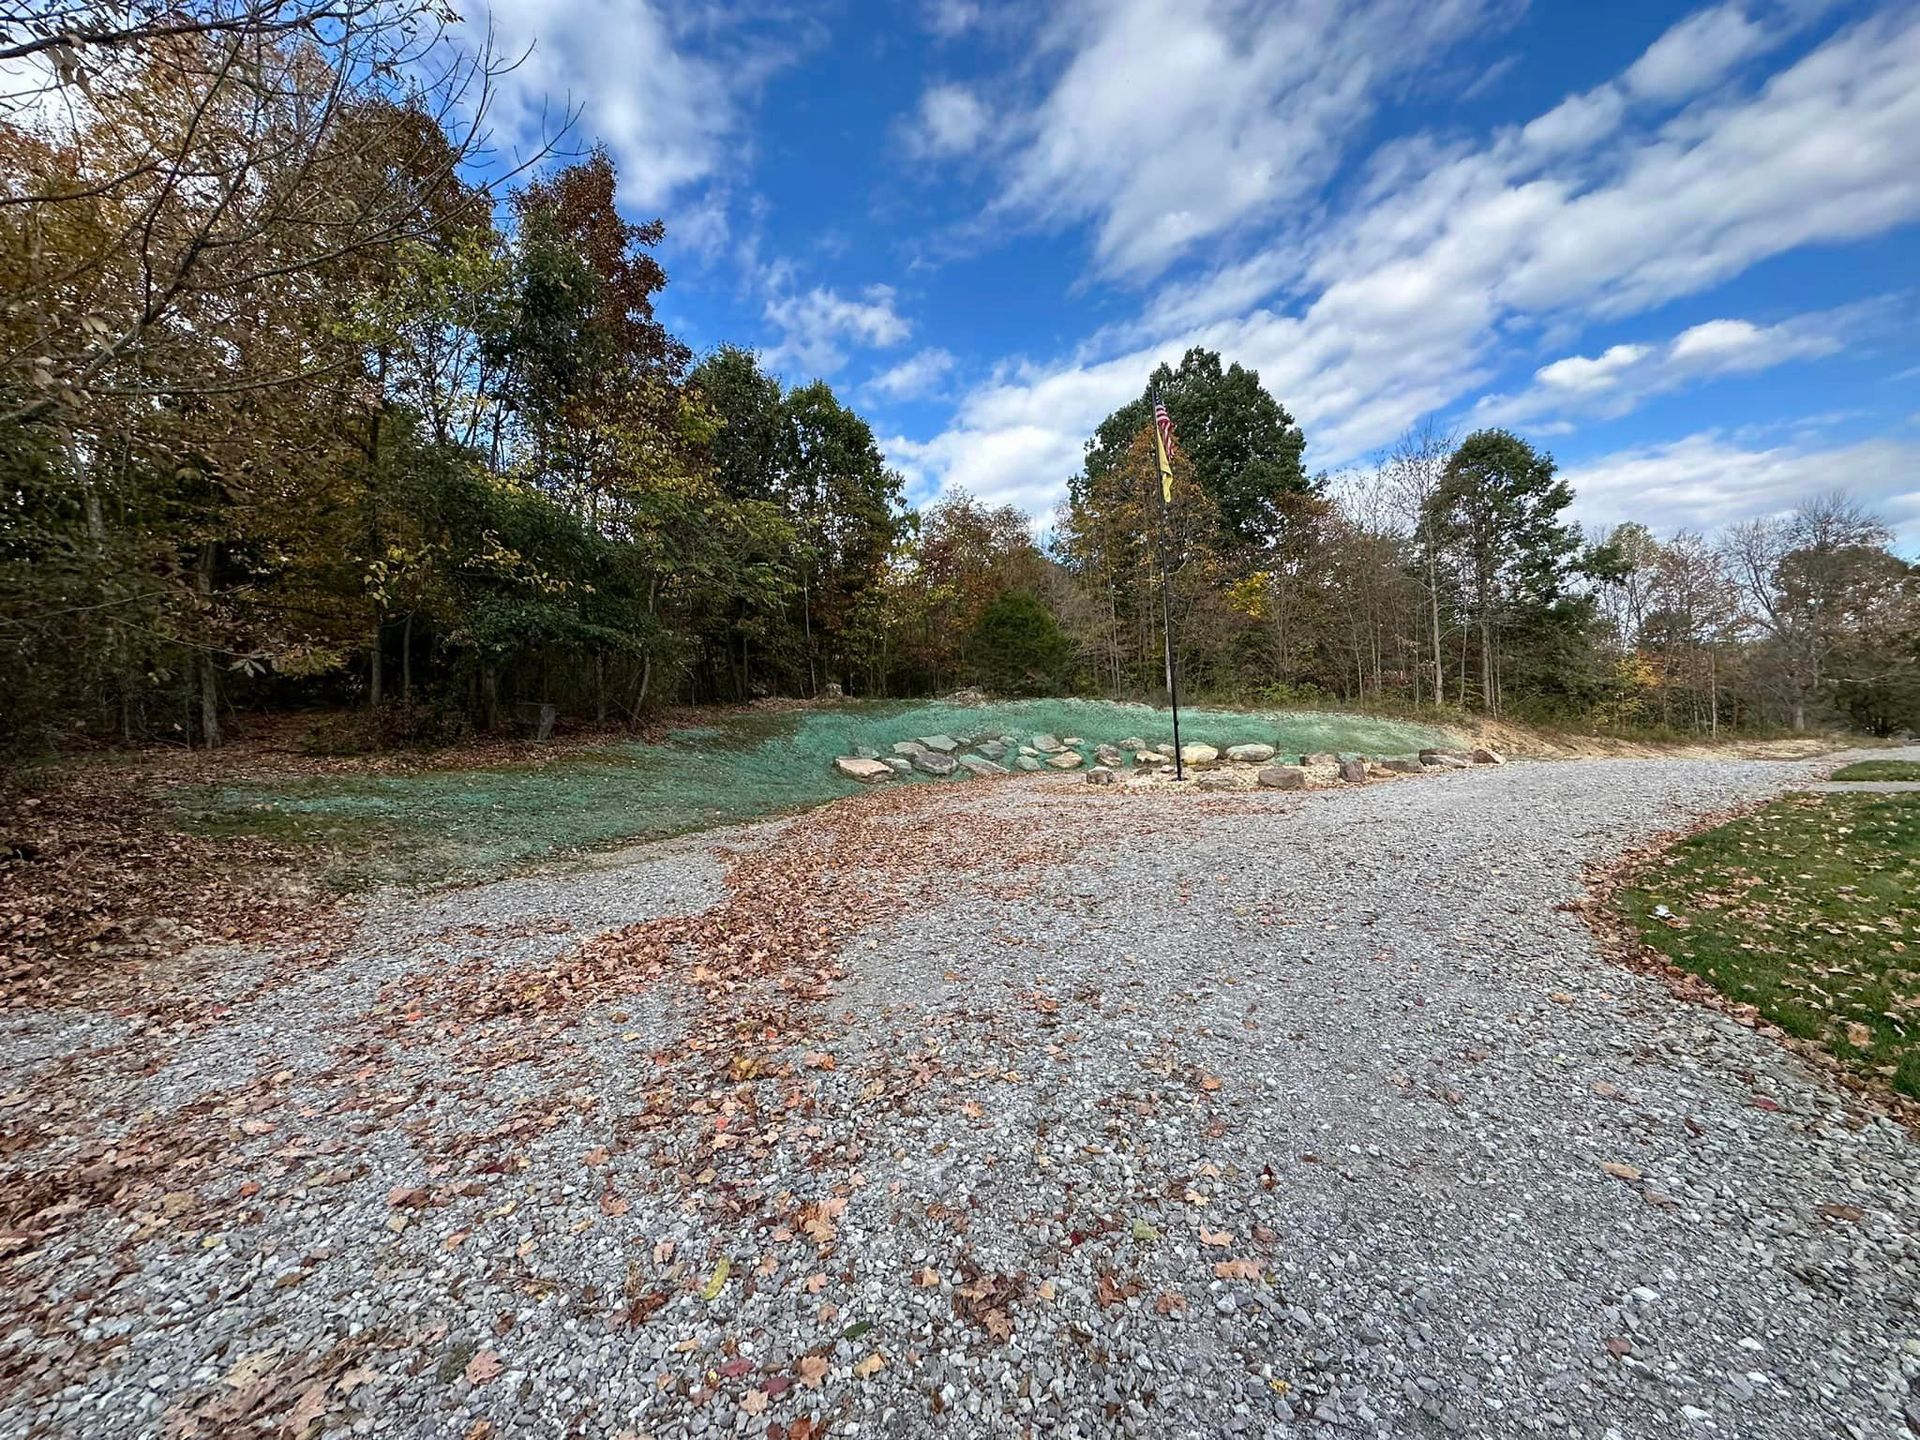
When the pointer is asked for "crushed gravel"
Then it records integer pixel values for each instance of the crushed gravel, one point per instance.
(1263, 1114)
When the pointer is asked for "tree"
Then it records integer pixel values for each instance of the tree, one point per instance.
(1497, 511)
(1242, 444)
(1018, 648)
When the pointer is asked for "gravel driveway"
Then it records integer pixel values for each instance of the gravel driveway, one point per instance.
(1018, 1107)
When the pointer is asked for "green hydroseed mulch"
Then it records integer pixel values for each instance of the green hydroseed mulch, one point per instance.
(436, 824)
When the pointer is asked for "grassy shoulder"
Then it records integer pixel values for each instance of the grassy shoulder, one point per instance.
(1809, 910)
(1879, 770)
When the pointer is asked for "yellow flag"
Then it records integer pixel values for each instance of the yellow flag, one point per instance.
(1163, 446)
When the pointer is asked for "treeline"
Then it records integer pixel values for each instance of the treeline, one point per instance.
(295, 411)
(1449, 574)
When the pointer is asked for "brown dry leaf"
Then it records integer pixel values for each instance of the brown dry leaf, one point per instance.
(871, 1366)
(1215, 1237)
(663, 1252)
(595, 1156)
(816, 1283)
(1237, 1269)
(1209, 1082)
(1843, 1212)
(754, 1402)
(927, 1278)
(1560, 997)
(612, 1202)
(484, 1366)
(1169, 1302)
(1620, 1170)
(1859, 1036)
(817, 1060)
(407, 1197)
(1605, 1089)
(810, 1370)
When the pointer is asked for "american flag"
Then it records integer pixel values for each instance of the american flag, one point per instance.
(1163, 445)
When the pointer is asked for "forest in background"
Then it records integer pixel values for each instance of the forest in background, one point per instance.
(306, 401)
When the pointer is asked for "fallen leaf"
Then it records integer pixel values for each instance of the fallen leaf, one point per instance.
(663, 1252)
(595, 1156)
(1843, 1212)
(754, 1402)
(816, 1283)
(1237, 1269)
(866, 1369)
(612, 1202)
(407, 1197)
(927, 1278)
(817, 1060)
(810, 1370)
(484, 1366)
(1169, 1303)
(717, 1281)
(1209, 1082)
(1859, 1036)
(1215, 1237)
(1620, 1170)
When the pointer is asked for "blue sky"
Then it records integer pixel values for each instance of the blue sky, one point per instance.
(1675, 245)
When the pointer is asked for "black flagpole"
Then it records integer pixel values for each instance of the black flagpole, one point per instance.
(1166, 601)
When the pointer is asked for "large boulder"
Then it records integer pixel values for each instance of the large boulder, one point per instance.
(992, 749)
(1320, 757)
(928, 763)
(1133, 742)
(1101, 775)
(1198, 754)
(865, 752)
(1401, 765)
(1484, 756)
(899, 764)
(1148, 757)
(1443, 759)
(1026, 762)
(1108, 755)
(1354, 771)
(940, 744)
(1217, 780)
(908, 748)
(866, 771)
(1282, 777)
(977, 765)
(1073, 740)
(1250, 753)
(1067, 760)
(1047, 744)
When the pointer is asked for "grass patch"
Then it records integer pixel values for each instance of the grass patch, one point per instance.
(1809, 910)
(1880, 770)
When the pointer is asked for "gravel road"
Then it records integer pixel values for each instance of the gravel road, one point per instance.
(1006, 1108)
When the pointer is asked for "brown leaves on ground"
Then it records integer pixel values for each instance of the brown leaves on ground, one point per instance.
(484, 1366)
(1237, 1269)
(810, 1370)
(98, 882)
(986, 1299)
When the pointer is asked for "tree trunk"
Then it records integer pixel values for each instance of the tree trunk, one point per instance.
(209, 677)
(406, 660)
(373, 664)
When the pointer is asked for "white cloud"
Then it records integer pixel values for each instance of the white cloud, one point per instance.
(951, 121)
(1705, 481)
(1618, 380)
(1415, 295)
(914, 377)
(1169, 122)
(817, 325)
(667, 102)
(1696, 53)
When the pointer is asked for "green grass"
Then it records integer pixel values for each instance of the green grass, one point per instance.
(1808, 909)
(436, 823)
(1880, 770)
